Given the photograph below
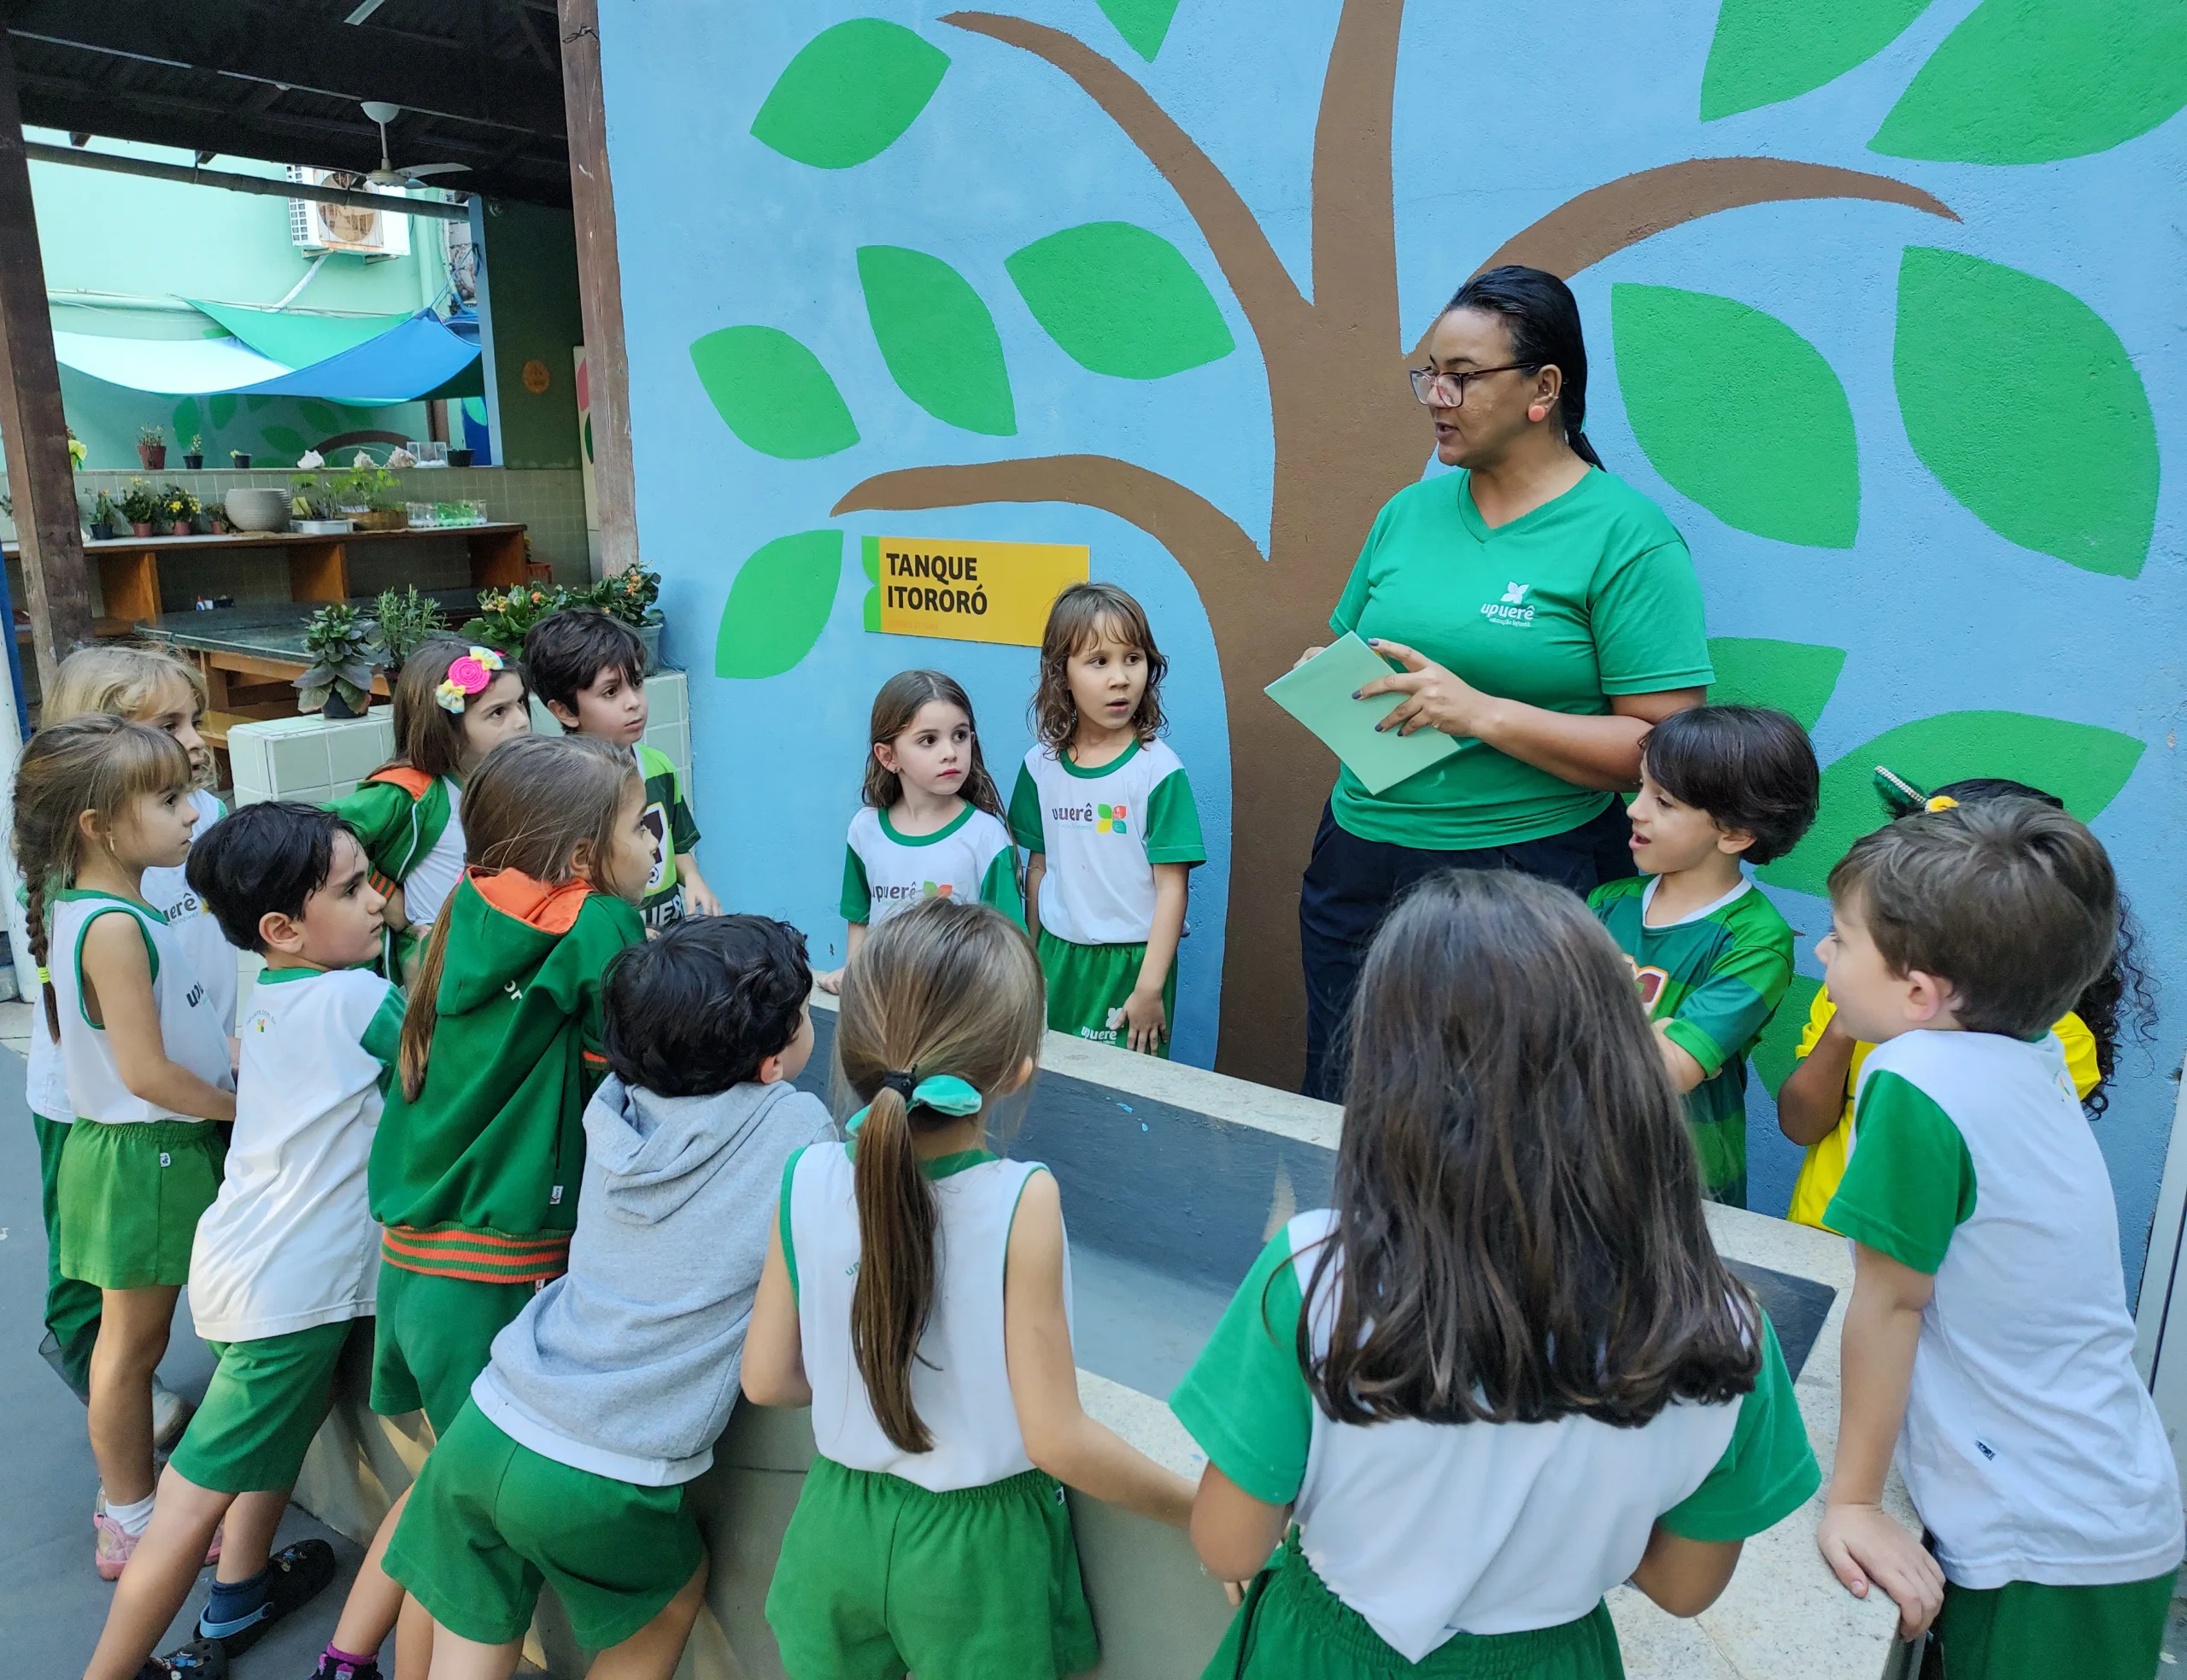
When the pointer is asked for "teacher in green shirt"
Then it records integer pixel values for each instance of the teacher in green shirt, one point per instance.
(1545, 614)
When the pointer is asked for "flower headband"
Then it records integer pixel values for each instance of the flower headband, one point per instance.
(1900, 797)
(470, 675)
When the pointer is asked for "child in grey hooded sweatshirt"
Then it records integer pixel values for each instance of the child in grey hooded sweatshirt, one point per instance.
(605, 1396)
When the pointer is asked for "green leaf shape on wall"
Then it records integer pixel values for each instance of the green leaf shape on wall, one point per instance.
(1776, 1052)
(1794, 677)
(319, 417)
(1768, 50)
(2083, 765)
(850, 93)
(1142, 23)
(286, 442)
(223, 407)
(773, 392)
(1737, 411)
(255, 404)
(1121, 300)
(778, 604)
(938, 339)
(869, 558)
(188, 422)
(2024, 403)
(2032, 81)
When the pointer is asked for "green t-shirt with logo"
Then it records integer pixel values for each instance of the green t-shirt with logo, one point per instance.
(670, 819)
(1714, 978)
(1592, 594)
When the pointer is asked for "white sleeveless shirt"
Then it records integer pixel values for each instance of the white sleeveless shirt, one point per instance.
(960, 1381)
(190, 1033)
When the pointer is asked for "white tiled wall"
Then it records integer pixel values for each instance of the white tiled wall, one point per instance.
(316, 759)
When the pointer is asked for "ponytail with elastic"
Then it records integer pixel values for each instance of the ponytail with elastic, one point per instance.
(894, 1292)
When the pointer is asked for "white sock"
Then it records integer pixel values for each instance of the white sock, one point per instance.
(132, 1519)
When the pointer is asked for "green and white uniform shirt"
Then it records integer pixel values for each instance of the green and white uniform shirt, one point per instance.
(1714, 978)
(1432, 1529)
(670, 819)
(1103, 831)
(886, 870)
(191, 1034)
(289, 1242)
(2030, 1448)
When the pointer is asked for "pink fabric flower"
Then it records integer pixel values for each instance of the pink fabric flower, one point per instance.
(468, 675)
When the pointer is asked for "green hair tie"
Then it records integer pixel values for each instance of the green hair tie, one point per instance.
(944, 1093)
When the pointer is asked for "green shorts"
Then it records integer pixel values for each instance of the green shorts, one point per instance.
(266, 1400)
(1089, 985)
(435, 1335)
(130, 1197)
(72, 1308)
(878, 1576)
(491, 1522)
(2027, 1631)
(1292, 1627)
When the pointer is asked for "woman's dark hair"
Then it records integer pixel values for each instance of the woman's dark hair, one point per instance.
(1749, 767)
(260, 860)
(1078, 619)
(1542, 317)
(2121, 1001)
(894, 709)
(1519, 1235)
(697, 1010)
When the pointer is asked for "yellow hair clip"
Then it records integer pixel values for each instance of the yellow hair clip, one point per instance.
(1941, 802)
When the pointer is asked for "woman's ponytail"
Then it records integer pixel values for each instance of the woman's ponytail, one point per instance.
(423, 1013)
(894, 1292)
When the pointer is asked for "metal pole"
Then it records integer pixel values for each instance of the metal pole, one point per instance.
(189, 175)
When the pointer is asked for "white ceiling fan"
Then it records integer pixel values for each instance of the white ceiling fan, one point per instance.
(387, 175)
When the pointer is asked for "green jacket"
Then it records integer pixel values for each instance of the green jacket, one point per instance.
(478, 1178)
(399, 813)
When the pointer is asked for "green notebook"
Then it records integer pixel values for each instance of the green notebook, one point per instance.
(1319, 695)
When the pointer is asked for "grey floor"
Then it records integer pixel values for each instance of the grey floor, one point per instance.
(52, 1603)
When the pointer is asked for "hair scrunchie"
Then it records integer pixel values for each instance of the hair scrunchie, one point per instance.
(944, 1093)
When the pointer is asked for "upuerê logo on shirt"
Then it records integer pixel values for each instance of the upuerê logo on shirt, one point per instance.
(887, 894)
(1105, 819)
(1513, 609)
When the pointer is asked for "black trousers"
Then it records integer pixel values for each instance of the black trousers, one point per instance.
(1350, 884)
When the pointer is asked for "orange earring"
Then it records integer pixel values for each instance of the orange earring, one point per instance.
(1537, 413)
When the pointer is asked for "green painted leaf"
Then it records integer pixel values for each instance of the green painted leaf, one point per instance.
(285, 442)
(869, 558)
(850, 93)
(938, 339)
(1768, 50)
(1738, 411)
(2031, 81)
(319, 417)
(188, 421)
(223, 407)
(2083, 765)
(255, 404)
(778, 604)
(2024, 403)
(1794, 677)
(1142, 23)
(1121, 300)
(773, 392)
(1776, 1052)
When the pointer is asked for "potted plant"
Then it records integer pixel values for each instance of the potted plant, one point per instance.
(216, 519)
(140, 505)
(311, 500)
(506, 616)
(408, 620)
(152, 447)
(102, 517)
(194, 456)
(371, 497)
(344, 649)
(177, 508)
(239, 458)
(630, 596)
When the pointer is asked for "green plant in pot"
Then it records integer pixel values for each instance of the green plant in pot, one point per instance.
(345, 650)
(194, 456)
(140, 505)
(311, 497)
(372, 495)
(506, 615)
(103, 517)
(152, 447)
(238, 458)
(408, 620)
(177, 508)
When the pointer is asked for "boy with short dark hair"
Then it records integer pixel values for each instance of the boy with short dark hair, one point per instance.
(589, 670)
(1721, 786)
(1988, 1337)
(284, 1269)
(567, 1464)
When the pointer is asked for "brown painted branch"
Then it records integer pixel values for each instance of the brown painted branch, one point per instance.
(1603, 220)
(1355, 229)
(1207, 542)
(1264, 286)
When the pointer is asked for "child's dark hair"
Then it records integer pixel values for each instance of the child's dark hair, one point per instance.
(531, 803)
(98, 762)
(894, 709)
(1075, 623)
(428, 736)
(947, 987)
(566, 651)
(2010, 902)
(1748, 766)
(263, 859)
(1519, 1235)
(697, 1010)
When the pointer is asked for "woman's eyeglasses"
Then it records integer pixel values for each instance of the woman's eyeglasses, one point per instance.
(1448, 390)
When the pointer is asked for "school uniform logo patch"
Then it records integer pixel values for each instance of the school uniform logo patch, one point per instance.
(1110, 820)
(1648, 982)
(1514, 609)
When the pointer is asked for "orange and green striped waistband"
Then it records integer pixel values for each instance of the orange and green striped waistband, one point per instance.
(476, 1256)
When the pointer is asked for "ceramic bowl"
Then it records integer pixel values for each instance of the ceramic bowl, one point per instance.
(258, 509)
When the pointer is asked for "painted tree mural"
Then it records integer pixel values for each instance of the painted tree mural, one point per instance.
(1732, 407)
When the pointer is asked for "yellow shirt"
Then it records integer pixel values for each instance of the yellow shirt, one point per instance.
(1825, 1161)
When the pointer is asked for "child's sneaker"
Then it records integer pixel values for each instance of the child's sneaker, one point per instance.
(200, 1660)
(170, 1416)
(331, 1668)
(295, 1575)
(115, 1544)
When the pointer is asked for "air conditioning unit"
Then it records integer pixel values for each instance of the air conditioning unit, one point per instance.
(316, 226)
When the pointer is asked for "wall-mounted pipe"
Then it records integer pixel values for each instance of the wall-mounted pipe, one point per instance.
(39, 152)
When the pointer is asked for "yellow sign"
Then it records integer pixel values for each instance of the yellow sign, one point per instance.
(968, 591)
